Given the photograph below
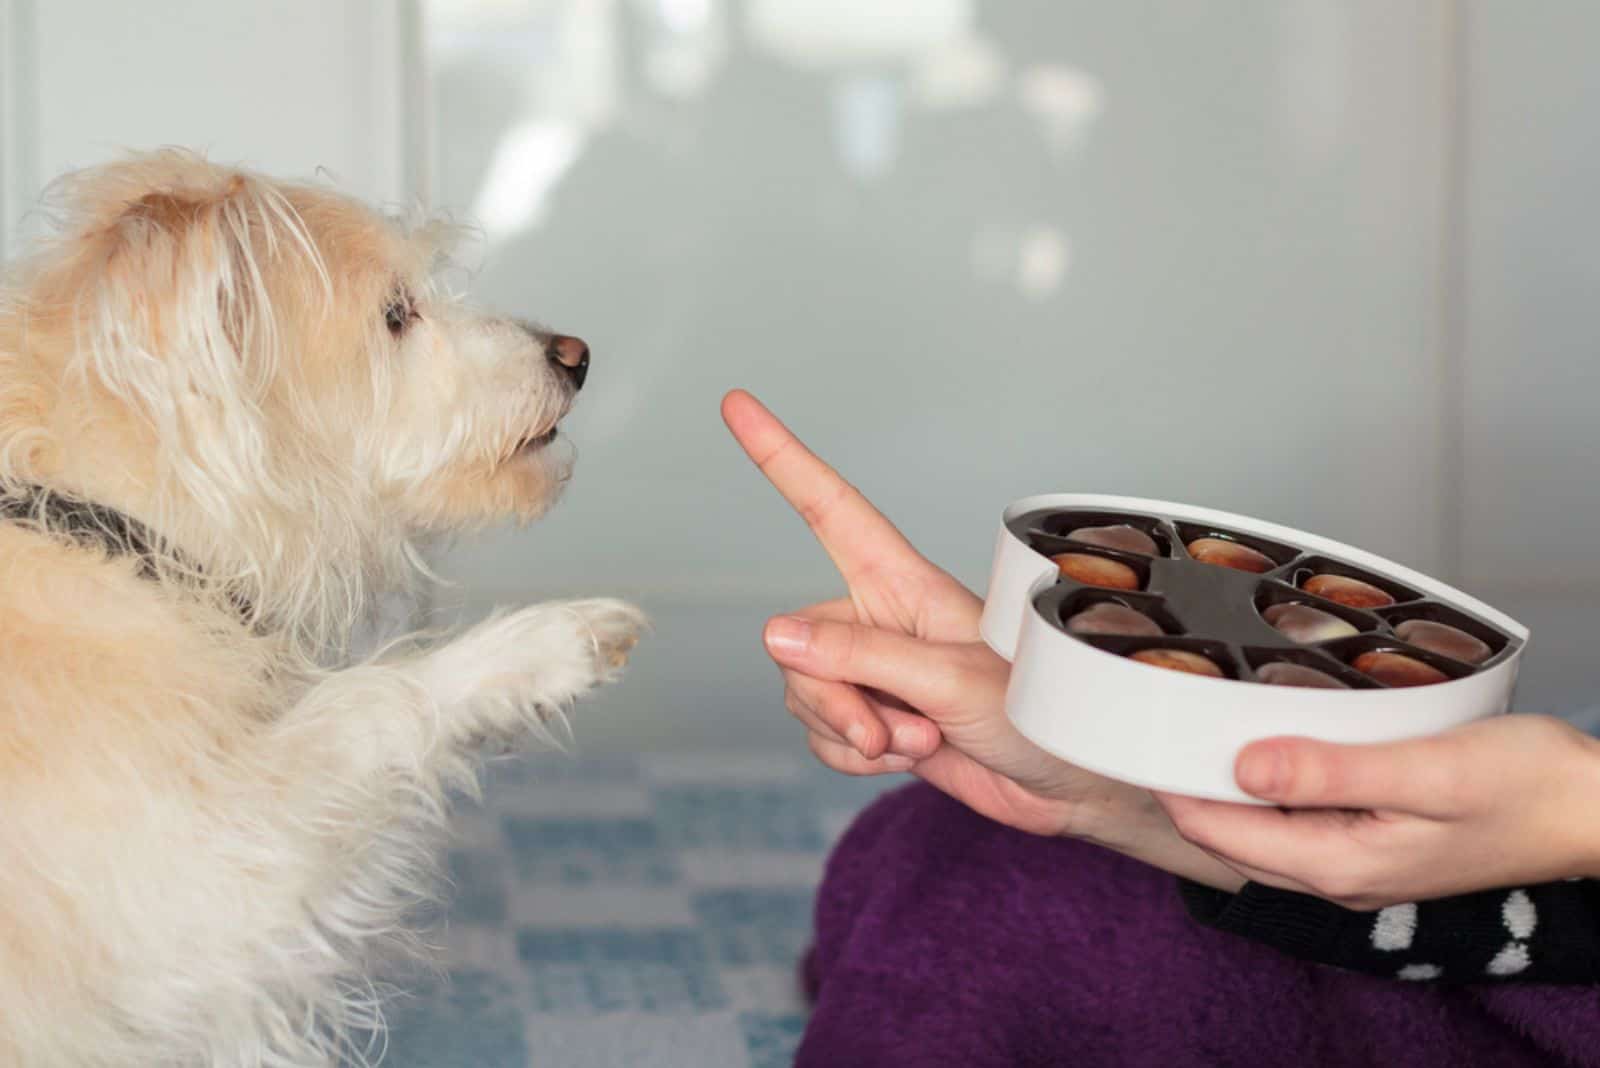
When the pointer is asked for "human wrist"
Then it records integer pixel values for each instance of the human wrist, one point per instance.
(1114, 815)
(1128, 820)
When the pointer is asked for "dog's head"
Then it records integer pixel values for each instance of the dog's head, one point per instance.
(269, 320)
(273, 369)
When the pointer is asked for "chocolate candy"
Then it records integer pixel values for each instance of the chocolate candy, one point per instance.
(1097, 571)
(1397, 669)
(1178, 660)
(1347, 591)
(1111, 618)
(1121, 536)
(1306, 625)
(1226, 553)
(1247, 604)
(1443, 639)
(1282, 673)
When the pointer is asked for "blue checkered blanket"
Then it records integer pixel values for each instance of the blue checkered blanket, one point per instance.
(629, 910)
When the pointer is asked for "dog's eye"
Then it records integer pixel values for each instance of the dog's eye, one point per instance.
(398, 314)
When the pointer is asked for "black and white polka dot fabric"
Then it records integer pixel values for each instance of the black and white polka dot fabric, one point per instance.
(1548, 933)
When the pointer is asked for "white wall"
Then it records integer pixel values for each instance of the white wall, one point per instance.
(1532, 328)
(290, 86)
(1231, 225)
(1530, 335)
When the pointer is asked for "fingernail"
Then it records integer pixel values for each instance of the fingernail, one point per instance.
(1263, 774)
(898, 763)
(788, 634)
(906, 742)
(856, 734)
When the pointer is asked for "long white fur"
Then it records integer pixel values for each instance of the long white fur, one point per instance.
(212, 828)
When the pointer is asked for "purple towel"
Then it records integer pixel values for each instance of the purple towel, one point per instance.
(946, 939)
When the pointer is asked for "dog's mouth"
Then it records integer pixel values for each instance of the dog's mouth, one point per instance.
(535, 442)
(545, 429)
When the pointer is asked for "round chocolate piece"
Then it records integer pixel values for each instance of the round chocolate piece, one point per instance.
(1342, 589)
(1122, 536)
(1178, 660)
(1094, 570)
(1306, 625)
(1283, 673)
(1224, 553)
(1110, 618)
(1443, 639)
(1397, 669)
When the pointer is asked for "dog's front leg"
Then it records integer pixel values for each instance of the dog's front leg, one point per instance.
(513, 674)
(353, 780)
(505, 679)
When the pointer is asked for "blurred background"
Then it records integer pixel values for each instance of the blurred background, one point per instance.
(1331, 263)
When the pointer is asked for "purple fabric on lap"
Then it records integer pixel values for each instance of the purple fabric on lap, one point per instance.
(946, 939)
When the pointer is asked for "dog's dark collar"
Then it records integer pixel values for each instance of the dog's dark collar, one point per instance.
(95, 524)
(84, 522)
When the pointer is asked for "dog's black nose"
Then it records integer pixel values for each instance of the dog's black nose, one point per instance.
(571, 354)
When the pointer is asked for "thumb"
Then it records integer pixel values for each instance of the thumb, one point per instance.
(1412, 776)
(930, 676)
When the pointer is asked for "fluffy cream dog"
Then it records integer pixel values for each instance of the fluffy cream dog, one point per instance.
(229, 410)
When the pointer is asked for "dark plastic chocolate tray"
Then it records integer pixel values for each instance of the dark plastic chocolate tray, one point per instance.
(1216, 610)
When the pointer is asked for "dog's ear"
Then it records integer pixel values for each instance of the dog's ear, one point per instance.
(174, 283)
(179, 263)
(182, 286)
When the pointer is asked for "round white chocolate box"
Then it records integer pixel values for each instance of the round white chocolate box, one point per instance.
(1151, 641)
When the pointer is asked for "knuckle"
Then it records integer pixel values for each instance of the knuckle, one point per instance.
(831, 645)
(1314, 776)
(778, 451)
(805, 686)
(794, 701)
(831, 710)
(1189, 825)
(852, 764)
(941, 685)
(815, 510)
(833, 755)
(1345, 885)
(822, 712)
(798, 711)
(1330, 886)
(1547, 732)
(953, 679)
(823, 706)
(846, 644)
(824, 749)
(1542, 728)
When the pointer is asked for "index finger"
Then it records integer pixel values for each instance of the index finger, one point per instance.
(852, 532)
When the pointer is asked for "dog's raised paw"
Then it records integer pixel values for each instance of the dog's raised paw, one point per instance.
(538, 658)
(613, 626)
